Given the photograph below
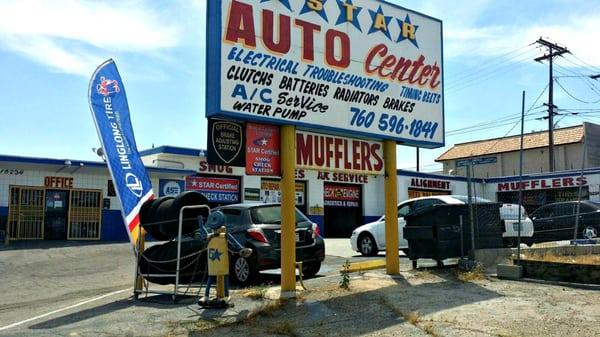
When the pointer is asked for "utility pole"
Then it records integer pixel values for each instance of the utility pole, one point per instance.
(418, 159)
(553, 50)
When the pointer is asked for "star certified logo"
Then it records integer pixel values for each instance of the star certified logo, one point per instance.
(264, 141)
(214, 254)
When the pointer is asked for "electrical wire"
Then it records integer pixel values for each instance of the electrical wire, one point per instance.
(487, 67)
(484, 77)
(501, 57)
(517, 123)
(499, 122)
(595, 68)
(572, 96)
(583, 77)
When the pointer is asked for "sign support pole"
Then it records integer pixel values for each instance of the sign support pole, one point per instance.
(141, 241)
(288, 211)
(391, 208)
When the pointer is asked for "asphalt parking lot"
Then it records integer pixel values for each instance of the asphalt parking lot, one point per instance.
(53, 286)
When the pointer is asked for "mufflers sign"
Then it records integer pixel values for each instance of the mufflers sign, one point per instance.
(333, 153)
(353, 66)
(536, 184)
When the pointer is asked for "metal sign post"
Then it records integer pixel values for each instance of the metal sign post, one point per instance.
(392, 260)
(288, 211)
(469, 195)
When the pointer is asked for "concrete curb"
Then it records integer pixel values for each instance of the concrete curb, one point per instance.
(552, 283)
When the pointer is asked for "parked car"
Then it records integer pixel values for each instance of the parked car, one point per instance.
(509, 214)
(369, 239)
(556, 221)
(258, 226)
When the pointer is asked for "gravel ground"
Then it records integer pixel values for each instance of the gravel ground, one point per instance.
(428, 303)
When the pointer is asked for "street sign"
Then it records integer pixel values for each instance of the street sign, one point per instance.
(358, 67)
(476, 161)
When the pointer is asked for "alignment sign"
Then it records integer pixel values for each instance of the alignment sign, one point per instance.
(362, 67)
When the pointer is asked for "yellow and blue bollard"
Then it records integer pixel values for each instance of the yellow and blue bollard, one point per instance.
(218, 262)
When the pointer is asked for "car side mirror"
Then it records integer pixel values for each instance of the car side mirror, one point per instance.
(246, 252)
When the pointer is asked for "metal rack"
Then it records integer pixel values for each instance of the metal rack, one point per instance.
(137, 291)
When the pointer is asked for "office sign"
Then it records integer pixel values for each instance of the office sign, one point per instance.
(58, 182)
(359, 67)
(334, 153)
(218, 190)
(225, 143)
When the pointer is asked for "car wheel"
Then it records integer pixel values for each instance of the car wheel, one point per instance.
(367, 245)
(510, 243)
(310, 269)
(589, 232)
(243, 271)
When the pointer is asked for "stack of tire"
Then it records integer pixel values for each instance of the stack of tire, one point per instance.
(160, 218)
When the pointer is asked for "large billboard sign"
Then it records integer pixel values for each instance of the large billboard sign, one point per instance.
(360, 67)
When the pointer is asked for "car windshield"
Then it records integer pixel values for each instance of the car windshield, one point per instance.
(271, 215)
(465, 199)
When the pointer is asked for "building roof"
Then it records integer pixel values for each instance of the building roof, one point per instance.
(184, 151)
(562, 136)
(82, 163)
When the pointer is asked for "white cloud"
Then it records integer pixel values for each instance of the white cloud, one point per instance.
(73, 36)
(577, 33)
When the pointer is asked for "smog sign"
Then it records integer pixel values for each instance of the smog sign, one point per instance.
(360, 67)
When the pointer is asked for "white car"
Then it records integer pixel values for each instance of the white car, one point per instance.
(509, 213)
(369, 239)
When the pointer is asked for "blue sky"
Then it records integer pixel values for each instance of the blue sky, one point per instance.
(49, 49)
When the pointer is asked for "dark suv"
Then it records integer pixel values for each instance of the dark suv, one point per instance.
(258, 226)
(556, 221)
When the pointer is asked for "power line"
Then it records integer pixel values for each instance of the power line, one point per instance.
(586, 79)
(485, 76)
(478, 71)
(517, 123)
(586, 65)
(571, 95)
(494, 124)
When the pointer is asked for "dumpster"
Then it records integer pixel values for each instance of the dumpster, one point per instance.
(434, 232)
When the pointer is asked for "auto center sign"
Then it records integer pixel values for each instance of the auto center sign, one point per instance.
(360, 67)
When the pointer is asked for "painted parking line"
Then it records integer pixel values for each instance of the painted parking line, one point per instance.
(6, 327)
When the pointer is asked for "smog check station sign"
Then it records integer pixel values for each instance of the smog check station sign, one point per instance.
(358, 67)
